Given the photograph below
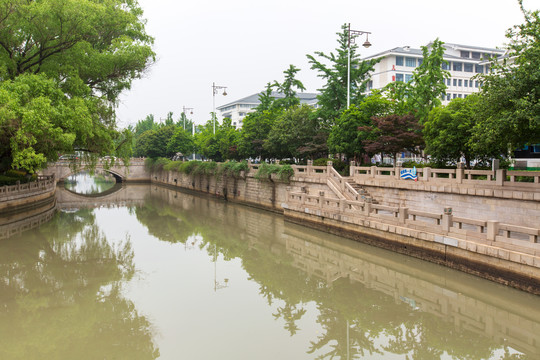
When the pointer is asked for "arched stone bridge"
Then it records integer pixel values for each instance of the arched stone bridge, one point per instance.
(136, 170)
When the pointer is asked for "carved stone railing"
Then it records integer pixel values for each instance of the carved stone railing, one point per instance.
(445, 224)
(501, 177)
(43, 184)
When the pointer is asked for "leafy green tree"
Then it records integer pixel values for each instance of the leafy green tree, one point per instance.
(344, 136)
(333, 98)
(293, 128)
(90, 50)
(181, 141)
(144, 125)
(511, 110)
(287, 88)
(154, 143)
(255, 129)
(391, 134)
(228, 137)
(206, 142)
(265, 98)
(448, 130)
(426, 88)
(428, 85)
(38, 121)
(88, 46)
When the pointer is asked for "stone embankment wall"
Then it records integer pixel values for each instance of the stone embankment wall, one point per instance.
(269, 194)
(435, 223)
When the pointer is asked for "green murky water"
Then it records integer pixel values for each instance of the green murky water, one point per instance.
(151, 273)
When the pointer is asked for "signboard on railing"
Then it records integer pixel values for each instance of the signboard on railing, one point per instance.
(409, 174)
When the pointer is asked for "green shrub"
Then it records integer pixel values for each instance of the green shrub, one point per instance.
(284, 172)
(156, 164)
(7, 180)
(232, 168)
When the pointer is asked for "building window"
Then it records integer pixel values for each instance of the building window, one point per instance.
(410, 62)
(448, 96)
(408, 77)
(241, 114)
(399, 60)
(468, 67)
(457, 66)
(455, 82)
(420, 61)
(446, 65)
(466, 83)
(476, 84)
(448, 81)
(460, 83)
(370, 85)
(399, 77)
(454, 96)
(476, 55)
(479, 69)
(464, 54)
(460, 96)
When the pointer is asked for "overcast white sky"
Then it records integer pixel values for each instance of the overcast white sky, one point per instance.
(243, 44)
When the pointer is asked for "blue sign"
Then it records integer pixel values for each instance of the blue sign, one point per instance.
(409, 174)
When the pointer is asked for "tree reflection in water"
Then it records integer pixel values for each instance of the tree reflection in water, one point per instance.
(358, 321)
(71, 288)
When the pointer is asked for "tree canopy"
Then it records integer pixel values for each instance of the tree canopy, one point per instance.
(332, 69)
(63, 65)
(512, 91)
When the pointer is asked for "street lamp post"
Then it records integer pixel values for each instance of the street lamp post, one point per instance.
(215, 89)
(184, 112)
(350, 39)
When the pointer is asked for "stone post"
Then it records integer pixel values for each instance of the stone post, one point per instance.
(460, 173)
(367, 207)
(309, 167)
(373, 171)
(321, 199)
(501, 177)
(342, 205)
(403, 215)
(352, 164)
(447, 221)
(329, 166)
(398, 172)
(427, 173)
(492, 230)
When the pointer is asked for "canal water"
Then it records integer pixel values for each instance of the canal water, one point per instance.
(146, 272)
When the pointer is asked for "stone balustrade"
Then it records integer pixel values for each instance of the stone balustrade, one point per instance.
(43, 183)
(501, 177)
(444, 224)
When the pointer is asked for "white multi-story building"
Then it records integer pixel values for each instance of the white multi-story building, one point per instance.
(237, 110)
(464, 62)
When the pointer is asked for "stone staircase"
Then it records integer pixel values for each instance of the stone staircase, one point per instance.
(363, 193)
